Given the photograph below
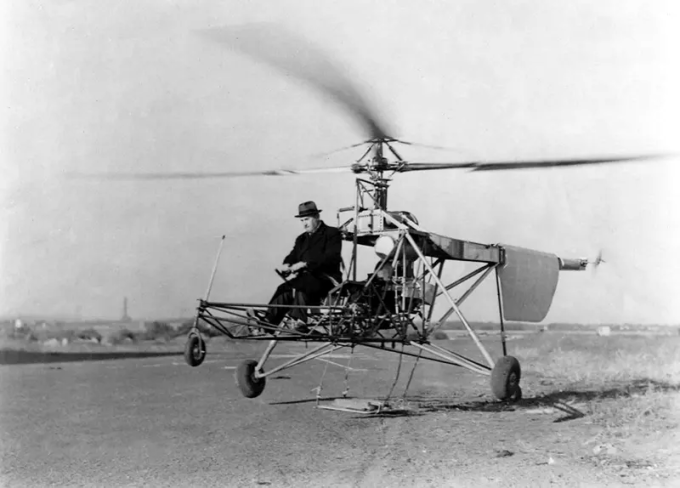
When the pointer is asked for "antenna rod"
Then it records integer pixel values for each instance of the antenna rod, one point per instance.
(212, 276)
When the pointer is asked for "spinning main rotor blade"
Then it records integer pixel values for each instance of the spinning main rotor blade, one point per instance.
(428, 146)
(340, 149)
(508, 165)
(296, 56)
(196, 176)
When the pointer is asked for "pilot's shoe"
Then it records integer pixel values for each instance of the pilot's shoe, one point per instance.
(252, 316)
(301, 327)
(254, 320)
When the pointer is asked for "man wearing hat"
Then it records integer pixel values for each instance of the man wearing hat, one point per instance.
(315, 259)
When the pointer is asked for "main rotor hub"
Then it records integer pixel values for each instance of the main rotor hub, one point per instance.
(381, 162)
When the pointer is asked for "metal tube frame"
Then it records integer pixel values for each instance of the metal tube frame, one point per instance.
(406, 234)
(341, 328)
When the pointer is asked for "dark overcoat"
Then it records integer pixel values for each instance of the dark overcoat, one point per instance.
(321, 250)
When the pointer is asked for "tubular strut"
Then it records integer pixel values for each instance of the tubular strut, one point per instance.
(453, 357)
(318, 351)
(389, 395)
(214, 270)
(408, 383)
(194, 329)
(346, 390)
(500, 312)
(320, 387)
(347, 368)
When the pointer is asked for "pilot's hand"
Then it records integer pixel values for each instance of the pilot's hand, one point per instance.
(297, 267)
(284, 269)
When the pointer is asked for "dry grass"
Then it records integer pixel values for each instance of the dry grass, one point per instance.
(597, 360)
(627, 390)
(628, 387)
(639, 433)
(653, 410)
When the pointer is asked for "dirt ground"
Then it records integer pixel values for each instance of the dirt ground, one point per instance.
(154, 421)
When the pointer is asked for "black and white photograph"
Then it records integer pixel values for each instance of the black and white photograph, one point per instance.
(339, 244)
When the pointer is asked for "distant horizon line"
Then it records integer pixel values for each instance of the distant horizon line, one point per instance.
(66, 318)
(46, 318)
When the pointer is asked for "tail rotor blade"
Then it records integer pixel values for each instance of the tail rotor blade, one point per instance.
(595, 263)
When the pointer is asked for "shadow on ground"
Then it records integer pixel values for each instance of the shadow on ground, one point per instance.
(310, 400)
(11, 356)
(560, 400)
(326, 403)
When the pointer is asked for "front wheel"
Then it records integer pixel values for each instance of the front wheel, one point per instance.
(249, 385)
(505, 379)
(194, 350)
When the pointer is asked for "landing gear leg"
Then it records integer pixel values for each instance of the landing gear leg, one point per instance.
(194, 350)
(250, 377)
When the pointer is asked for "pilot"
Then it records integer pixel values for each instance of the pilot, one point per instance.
(315, 261)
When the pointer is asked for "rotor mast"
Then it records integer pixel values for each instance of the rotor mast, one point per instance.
(380, 196)
(376, 167)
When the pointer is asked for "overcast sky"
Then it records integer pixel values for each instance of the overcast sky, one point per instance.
(129, 86)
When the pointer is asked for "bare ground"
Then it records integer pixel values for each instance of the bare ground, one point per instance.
(596, 412)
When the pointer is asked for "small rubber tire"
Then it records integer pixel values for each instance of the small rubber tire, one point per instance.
(194, 350)
(505, 378)
(250, 386)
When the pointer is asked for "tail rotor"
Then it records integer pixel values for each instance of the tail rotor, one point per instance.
(595, 263)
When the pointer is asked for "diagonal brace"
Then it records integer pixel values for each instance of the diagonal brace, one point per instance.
(479, 344)
(317, 352)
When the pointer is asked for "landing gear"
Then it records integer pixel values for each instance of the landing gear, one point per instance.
(249, 385)
(505, 378)
(194, 350)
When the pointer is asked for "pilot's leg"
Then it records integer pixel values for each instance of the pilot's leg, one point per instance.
(309, 290)
(282, 296)
(300, 300)
(301, 291)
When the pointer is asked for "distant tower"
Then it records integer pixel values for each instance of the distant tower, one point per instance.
(125, 317)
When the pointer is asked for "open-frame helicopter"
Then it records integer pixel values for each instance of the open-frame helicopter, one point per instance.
(395, 304)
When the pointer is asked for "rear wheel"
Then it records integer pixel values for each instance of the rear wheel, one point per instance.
(505, 379)
(194, 350)
(249, 385)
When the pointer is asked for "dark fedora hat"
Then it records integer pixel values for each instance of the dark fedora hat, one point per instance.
(306, 209)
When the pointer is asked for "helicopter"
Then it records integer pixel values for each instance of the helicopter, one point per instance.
(394, 305)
